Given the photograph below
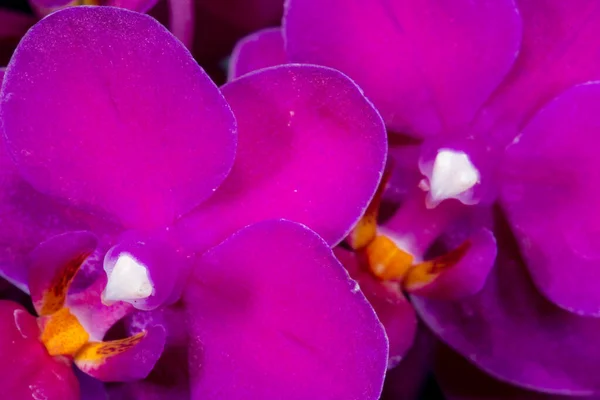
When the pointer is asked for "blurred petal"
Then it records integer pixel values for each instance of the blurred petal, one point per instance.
(50, 4)
(125, 120)
(461, 380)
(312, 149)
(513, 333)
(91, 389)
(136, 5)
(284, 321)
(407, 380)
(261, 49)
(249, 14)
(560, 49)
(551, 193)
(122, 360)
(427, 65)
(27, 370)
(393, 309)
(181, 20)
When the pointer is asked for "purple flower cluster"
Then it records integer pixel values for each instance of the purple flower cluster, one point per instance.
(382, 190)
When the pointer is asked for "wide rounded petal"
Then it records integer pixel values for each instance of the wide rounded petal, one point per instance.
(513, 333)
(261, 49)
(28, 218)
(427, 65)
(559, 50)
(311, 149)
(27, 370)
(275, 315)
(104, 107)
(551, 192)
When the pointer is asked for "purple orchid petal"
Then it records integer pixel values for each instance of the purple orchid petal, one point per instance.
(274, 315)
(181, 20)
(467, 275)
(393, 309)
(27, 370)
(169, 378)
(117, 99)
(550, 194)
(461, 380)
(427, 65)
(90, 388)
(407, 380)
(50, 4)
(27, 218)
(311, 149)
(513, 333)
(123, 360)
(141, 6)
(261, 49)
(52, 267)
(555, 55)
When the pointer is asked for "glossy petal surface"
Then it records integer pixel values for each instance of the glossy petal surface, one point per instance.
(125, 120)
(285, 321)
(427, 65)
(311, 149)
(27, 370)
(512, 332)
(261, 49)
(551, 190)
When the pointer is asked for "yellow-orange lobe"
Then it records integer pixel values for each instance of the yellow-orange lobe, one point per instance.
(426, 272)
(62, 334)
(385, 260)
(54, 298)
(366, 229)
(98, 351)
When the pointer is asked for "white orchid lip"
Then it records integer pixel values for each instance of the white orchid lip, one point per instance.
(452, 177)
(128, 280)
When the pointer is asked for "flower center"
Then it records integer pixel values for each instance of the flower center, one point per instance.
(387, 259)
(62, 334)
(128, 280)
(452, 177)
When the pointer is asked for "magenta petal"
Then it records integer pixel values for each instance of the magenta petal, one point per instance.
(135, 5)
(131, 364)
(468, 275)
(50, 4)
(555, 55)
(275, 315)
(513, 333)
(311, 149)
(124, 119)
(427, 65)
(461, 380)
(27, 370)
(261, 49)
(393, 309)
(551, 193)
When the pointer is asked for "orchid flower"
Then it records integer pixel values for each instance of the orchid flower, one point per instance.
(133, 187)
(496, 105)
